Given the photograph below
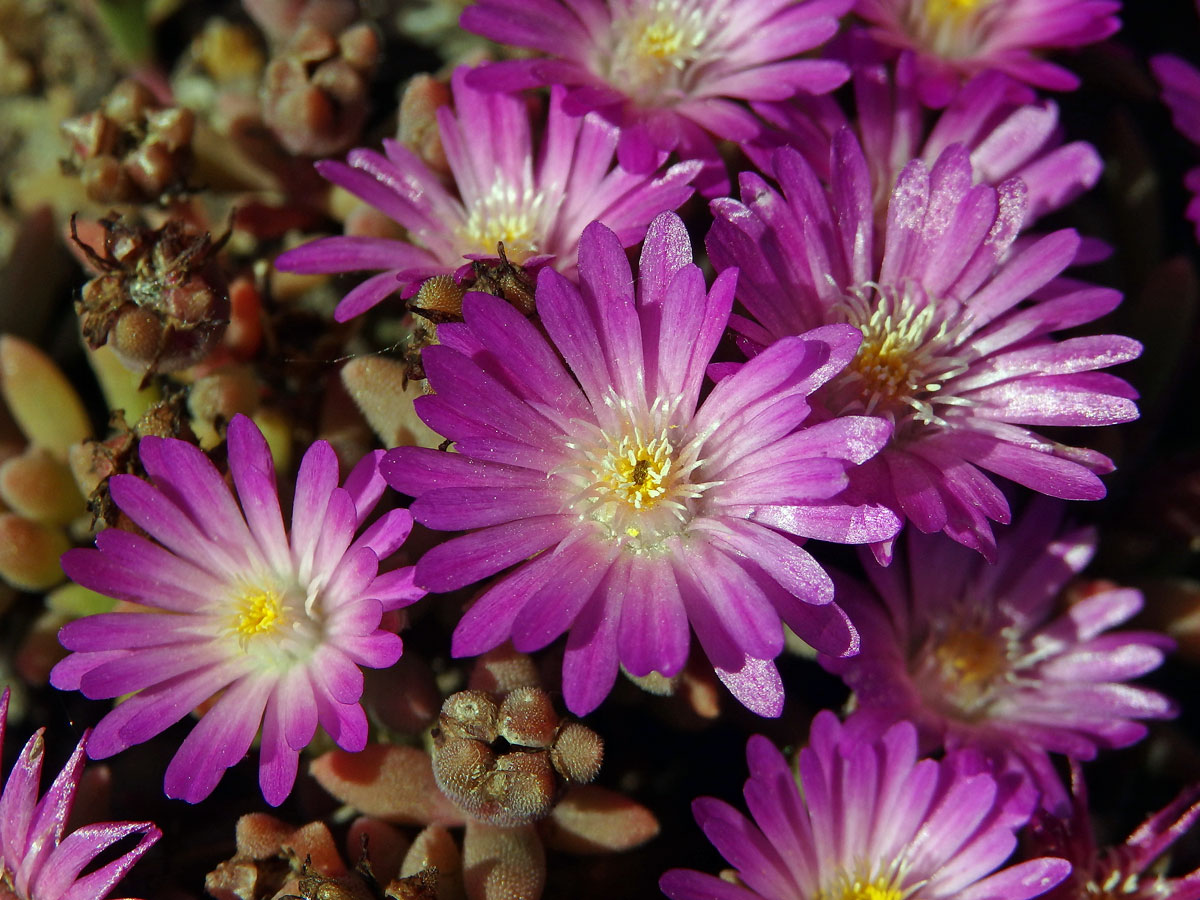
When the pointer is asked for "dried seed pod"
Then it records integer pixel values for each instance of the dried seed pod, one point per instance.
(577, 753)
(161, 301)
(131, 150)
(314, 92)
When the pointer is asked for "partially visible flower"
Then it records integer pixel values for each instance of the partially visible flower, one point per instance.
(980, 655)
(669, 74)
(1181, 92)
(628, 512)
(1006, 130)
(868, 821)
(956, 39)
(271, 627)
(1127, 870)
(36, 861)
(956, 323)
(537, 208)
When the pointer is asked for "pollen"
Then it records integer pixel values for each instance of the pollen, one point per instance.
(907, 356)
(638, 471)
(258, 611)
(660, 40)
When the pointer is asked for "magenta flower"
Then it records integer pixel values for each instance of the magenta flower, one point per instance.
(955, 39)
(273, 626)
(978, 655)
(628, 512)
(869, 821)
(956, 323)
(667, 73)
(537, 209)
(1006, 132)
(1126, 870)
(36, 861)
(1181, 92)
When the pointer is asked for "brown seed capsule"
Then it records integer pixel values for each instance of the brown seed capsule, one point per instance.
(160, 298)
(577, 753)
(527, 718)
(131, 150)
(469, 714)
(439, 300)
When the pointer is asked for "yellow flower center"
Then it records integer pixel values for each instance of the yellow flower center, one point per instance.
(908, 353)
(939, 11)
(506, 215)
(653, 48)
(257, 611)
(851, 887)
(952, 29)
(661, 39)
(961, 670)
(636, 483)
(637, 472)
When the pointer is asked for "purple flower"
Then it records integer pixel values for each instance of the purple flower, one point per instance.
(274, 626)
(36, 861)
(536, 207)
(996, 118)
(667, 73)
(956, 323)
(1124, 870)
(980, 655)
(868, 820)
(628, 512)
(1181, 92)
(955, 39)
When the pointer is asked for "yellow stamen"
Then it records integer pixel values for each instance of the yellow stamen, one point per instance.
(258, 611)
(940, 11)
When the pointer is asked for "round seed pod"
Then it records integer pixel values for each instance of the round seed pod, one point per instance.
(469, 714)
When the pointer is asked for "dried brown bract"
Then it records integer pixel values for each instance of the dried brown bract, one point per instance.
(500, 758)
(131, 150)
(94, 462)
(161, 301)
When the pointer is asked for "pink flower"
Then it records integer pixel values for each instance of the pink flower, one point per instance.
(668, 74)
(956, 322)
(1127, 870)
(36, 861)
(274, 626)
(870, 821)
(536, 206)
(1181, 92)
(955, 39)
(627, 511)
(978, 655)
(1005, 129)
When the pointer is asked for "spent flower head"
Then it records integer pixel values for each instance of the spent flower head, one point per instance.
(629, 510)
(271, 626)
